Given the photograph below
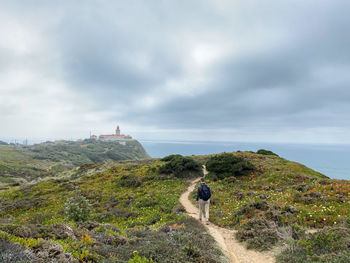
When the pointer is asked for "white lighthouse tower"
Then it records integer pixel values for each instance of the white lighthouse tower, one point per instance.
(117, 131)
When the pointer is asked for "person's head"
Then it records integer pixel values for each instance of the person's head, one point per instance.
(202, 180)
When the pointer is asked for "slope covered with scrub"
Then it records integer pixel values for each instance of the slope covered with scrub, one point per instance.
(275, 202)
(18, 163)
(125, 207)
(106, 212)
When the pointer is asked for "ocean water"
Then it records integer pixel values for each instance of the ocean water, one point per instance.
(330, 160)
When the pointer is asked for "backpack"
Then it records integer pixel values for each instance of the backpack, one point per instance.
(206, 194)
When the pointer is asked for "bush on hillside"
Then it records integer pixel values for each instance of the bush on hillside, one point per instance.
(130, 180)
(138, 259)
(12, 252)
(171, 157)
(330, 245)
(227, 165)
(180, 166)
(77, 208)
(185, 240)
(259, 234)
(266, 152)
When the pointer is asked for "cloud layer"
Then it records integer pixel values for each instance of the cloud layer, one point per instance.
(207, 70)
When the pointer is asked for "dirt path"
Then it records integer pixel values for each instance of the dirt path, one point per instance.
(235, 251)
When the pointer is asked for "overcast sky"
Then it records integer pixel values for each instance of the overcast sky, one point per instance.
(248, 70)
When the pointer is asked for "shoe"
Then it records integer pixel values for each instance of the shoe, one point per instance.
(207, 221)
(200, 219)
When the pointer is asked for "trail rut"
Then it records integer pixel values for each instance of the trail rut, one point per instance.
(225, 238)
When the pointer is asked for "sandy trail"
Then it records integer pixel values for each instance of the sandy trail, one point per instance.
(235, 251)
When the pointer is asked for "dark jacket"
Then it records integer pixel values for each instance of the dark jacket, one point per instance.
(200, 192)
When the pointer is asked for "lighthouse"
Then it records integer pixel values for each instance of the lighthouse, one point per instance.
(115, 137)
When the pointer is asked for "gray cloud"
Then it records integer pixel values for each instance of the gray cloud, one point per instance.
(176, 65)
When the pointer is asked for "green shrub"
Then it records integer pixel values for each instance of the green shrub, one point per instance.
(130, 180)
(227, 165)
(191, 251)
(77, 208)
(171, 157)
(138, 259)
(266, 152)
(185, 240)
(180, 166)
(329, 245)
(259, 234)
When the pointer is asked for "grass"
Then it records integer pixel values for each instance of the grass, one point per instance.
(17, 162)
(269, 205)
(318, 201)
(7, 180)
(134, 208)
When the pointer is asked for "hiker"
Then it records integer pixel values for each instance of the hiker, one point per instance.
(203, 199)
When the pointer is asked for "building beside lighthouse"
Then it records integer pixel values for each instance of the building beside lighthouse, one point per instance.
(113, 137)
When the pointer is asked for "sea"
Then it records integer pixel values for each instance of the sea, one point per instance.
(328, 159)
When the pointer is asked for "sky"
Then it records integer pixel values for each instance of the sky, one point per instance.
(252, 70)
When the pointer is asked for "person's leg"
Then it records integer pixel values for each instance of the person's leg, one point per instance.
(200, 207)
(207, 210)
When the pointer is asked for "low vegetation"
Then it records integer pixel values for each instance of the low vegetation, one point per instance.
(128, 211)
(74, 153)
(27, 163)
(17, 165)
(329, 245)
(181, 166)
(277, 202)
(266, 152)
(228, 165)
(3, 143)
(77, 207)
(104, 217)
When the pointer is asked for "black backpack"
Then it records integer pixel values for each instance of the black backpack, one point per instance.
(206, 194)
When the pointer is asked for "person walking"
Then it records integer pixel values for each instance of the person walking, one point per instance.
(203, 199)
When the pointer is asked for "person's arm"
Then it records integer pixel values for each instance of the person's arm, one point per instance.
(198, 192)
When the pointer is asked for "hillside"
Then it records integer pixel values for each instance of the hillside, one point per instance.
(72, 153)
(131, 208)
(3, 143)
(278, 203)
(105, 212)
(49, 158)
